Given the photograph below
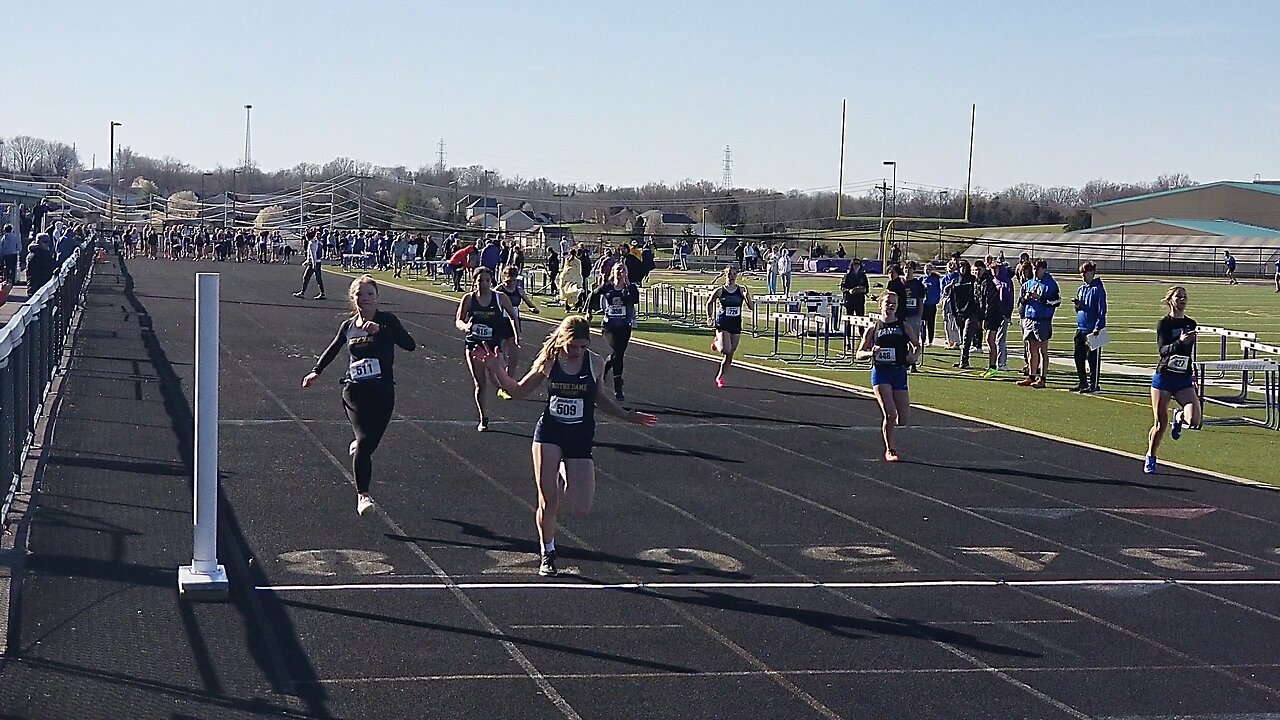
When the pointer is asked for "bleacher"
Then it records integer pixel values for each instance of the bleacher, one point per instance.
(1136, 254)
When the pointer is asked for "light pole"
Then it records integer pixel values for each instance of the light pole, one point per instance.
(234, 173)
(562, 196)
(3, 164)
(454, 212)
(203, 175)
(894, 203)
(111, 191)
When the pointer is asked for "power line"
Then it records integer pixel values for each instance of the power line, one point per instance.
(727, 180)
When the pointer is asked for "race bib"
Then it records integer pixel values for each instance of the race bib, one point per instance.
(886, 355)
(911, 303)
(733, 312)
(1179, 363)
(615, 311)
(484, 332)
(565, 409)
(366, 369)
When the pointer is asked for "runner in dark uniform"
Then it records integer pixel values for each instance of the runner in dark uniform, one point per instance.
(368, 385)
(483, 317)
(563, 438)
(1174, 377)
(616, 299)
(891, 346)
(724, 313)
(513, 287)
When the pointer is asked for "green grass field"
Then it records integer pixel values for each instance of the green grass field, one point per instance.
(1118, 418)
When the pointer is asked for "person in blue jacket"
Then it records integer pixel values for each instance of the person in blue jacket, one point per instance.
(932, 296)
(1091, 318)
(1230, 262)
(1040, 298)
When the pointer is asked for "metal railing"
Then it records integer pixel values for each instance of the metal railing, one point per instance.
(31, 349)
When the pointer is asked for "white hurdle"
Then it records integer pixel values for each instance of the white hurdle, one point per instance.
(204, 578)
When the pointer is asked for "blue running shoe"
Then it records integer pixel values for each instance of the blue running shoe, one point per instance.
(1149, 467)
(1175, 431)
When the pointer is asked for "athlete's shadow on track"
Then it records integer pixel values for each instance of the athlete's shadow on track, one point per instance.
(793, 393)
(486, 635)
(983, 470)
(671, 410)
(844, 626)
(630, 449)
(565, 552)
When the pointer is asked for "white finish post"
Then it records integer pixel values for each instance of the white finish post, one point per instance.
(205, 577)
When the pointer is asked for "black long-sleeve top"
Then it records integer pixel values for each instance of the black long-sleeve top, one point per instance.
(1169, 332)
(362, 346)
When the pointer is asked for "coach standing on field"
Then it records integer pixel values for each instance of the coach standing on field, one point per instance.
(1091, 318)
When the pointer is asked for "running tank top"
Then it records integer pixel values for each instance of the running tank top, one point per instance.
(571, 398)
(485, 320)
(731, 305)
(616, 309)
(515, 297)
(891, 343)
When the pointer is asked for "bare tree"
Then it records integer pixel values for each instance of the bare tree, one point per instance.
(26, 153)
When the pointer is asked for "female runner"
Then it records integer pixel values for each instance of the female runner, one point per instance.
(565, 433)
(1174, 377)
(892, 346)
(724, 313)
(513, 287)
(616, 299)
(482, 317)
(368, 386)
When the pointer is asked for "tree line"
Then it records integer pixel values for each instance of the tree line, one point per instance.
(432, 191)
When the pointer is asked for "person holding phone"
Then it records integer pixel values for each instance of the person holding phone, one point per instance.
(1174, 378)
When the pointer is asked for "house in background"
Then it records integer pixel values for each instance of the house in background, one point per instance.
(481, 206)
(666, 225)
(620, 216)
(517, 221)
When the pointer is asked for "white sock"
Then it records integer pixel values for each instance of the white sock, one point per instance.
(549, 547)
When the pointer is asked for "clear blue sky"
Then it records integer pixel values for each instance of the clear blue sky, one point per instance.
(631, 92)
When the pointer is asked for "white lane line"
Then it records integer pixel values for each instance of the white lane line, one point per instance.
(747, 585)
(662, 626)
(713, 674)
(783, 425)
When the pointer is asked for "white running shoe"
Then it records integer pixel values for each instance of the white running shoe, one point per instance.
(364, 504)
(352, 450)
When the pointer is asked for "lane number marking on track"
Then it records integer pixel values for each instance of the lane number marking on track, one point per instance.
(1184, 559)
(859, 558)
(1022, 560)
(691, 556)
(328, 563)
